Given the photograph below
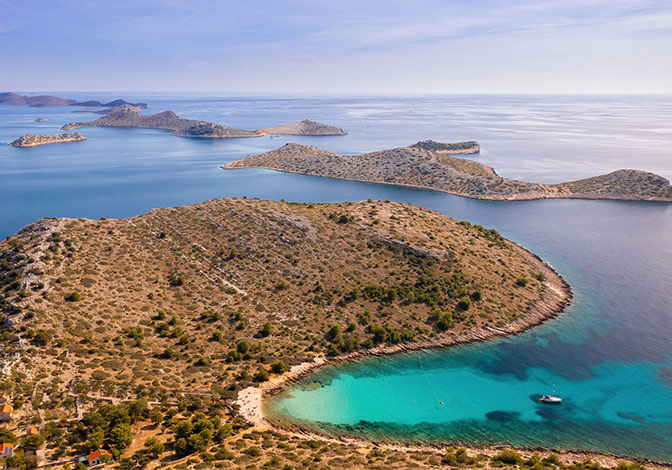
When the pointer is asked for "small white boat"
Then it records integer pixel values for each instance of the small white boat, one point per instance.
(550, 399)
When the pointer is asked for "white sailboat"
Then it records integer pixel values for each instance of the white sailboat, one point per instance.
(551, 399)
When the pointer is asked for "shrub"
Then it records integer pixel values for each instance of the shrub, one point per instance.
(43, 337)
(261, 376)
(507, 457)
(73, 297)
(217, 335)
(464, 303)
(266, 330)
(278, 367)
(521, 281)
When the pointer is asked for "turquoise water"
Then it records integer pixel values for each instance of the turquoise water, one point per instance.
(609, 355)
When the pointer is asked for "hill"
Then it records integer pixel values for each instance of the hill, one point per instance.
(129, 116)
(427, 165)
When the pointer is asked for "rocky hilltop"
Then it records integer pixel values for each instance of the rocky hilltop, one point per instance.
(124, 298)
(418, 167)
(35, 140)
(305, 127)
(129, 116)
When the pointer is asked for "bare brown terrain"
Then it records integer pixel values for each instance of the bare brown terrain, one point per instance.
(418, 166)
(129, 116)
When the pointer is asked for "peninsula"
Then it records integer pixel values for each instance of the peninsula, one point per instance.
(185, 307)
(130, 116)
(429, 165)
(35, 140)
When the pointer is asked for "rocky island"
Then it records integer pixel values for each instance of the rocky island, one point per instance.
(35, 140)
(35, 101)
(130, 116)
(429, 165)
(305, 127)
(182, 316)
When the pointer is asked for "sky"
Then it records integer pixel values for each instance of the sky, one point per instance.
(319, 47)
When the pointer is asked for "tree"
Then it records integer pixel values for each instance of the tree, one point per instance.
(183, 429)
(33, 441)
(95, 440)
(80, 466)
(156, 417)
(121, 435)
(154, 447)
(7, 436)
(242, 346)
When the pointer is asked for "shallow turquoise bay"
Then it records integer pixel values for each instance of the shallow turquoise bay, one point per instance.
(609, 355)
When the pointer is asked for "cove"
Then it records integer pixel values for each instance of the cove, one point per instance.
(608, 355)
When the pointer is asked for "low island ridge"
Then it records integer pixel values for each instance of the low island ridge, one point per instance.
(32, 140)
(130, 116)
(429, 165)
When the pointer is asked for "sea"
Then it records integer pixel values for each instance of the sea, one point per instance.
(609, 355)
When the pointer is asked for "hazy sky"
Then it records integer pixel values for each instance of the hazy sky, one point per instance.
(338, 46)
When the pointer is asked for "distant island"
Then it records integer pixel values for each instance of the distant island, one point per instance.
(41, 120)
(35, 140)
(35, 101)
(129, 116)
(49, 100)
(428, 165)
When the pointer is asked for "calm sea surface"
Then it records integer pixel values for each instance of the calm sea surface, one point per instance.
(609, 355)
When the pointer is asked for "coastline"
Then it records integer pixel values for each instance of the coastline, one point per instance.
(556, 297)
(465, 195)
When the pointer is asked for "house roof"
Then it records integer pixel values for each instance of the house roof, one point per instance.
(32, 430)
(5, 396)
(6, 408)
(97, 454)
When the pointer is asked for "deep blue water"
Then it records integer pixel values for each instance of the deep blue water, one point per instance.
(609, 355)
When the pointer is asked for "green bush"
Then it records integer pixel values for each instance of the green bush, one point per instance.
(73, 297)
(278, 367)
(507, 457)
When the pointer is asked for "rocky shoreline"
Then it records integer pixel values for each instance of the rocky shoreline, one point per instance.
(557, 295)
(31, 140)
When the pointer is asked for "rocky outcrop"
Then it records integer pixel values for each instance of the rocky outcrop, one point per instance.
(35, 140)
(129, 116)
(305, 127)
(429, 169)
(459, 148)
